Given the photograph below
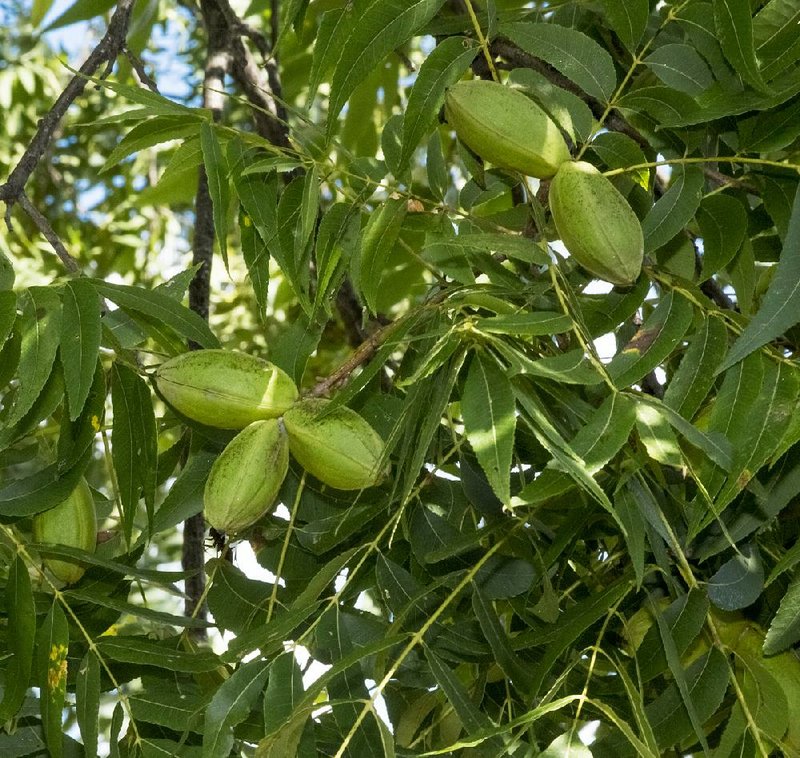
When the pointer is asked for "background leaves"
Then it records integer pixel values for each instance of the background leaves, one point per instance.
(590, 497)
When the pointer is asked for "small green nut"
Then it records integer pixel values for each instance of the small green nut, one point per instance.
(596, 224)
(72, 523)
(246, 478)
(224, 388)
(339, 448)
(505, 127)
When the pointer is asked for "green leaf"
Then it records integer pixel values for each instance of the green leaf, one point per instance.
(569, 51)
(7, 275)
(770, 131)
(604, 313)
(566, 458)
(735, 32)
(21, 614)
(444, 66)
(87, 701)
(681, 67)
(785, 563)
(569, 744)
(269, 638)
(185, 496)
(628, 19)
(134, 443)
(142, 651)
(691, 383)
(129, 609)
(572, 367)
(152, 132)
(564, 107)
(574, 622)
(778, 196)
(715, 445)
(258, 193)
(218, 188)
(488, 409)
(657, 436)
(160, 306)
(765, 697)
(237, 602)
(80, 341)
(742, 274)
(596, 443)
(672, 212)
(661, 332)
(436, 168)
(282, 706)
(620, 151)
(81, 10)
(470, 715)
(784, 631)
(291, 256)
(780, 306)
(333, 29)
(75, 555)
(40, 491)
(771, 414)
(498, 640)
(683, 620)
(739, 582)
(511, 245)
(52, 643)
(256, 258)
(175, 704)
(723, 223)
(39, 10)
(630, 516)
(676, 669)
(707, 680)
(377, 241)
(383, 26)
(231, 704)
(309, 210)
(337, 241)
(293, 349)
(8, 314)
(775, 36)
(41, 332)
(75, 437)
(409, 601)
(527, 323)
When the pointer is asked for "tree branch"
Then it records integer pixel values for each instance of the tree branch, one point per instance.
(138, 67)
(217, 66)
(262, 90)
(106, 52)
(44, 227)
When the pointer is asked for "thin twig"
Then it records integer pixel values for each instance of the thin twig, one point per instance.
(138, 67)
(43, 225)
(105, 52)
(361, 355)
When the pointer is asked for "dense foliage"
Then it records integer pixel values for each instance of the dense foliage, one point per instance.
(589, 525)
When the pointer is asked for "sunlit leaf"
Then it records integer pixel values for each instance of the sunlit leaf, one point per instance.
(488, 408)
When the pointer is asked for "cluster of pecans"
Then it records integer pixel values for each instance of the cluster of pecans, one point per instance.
(593, 219)
(232, 390)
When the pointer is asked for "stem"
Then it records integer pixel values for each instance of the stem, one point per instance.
(707, 159)
(481, 39)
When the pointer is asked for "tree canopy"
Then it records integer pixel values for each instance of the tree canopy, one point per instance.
(579, 533)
